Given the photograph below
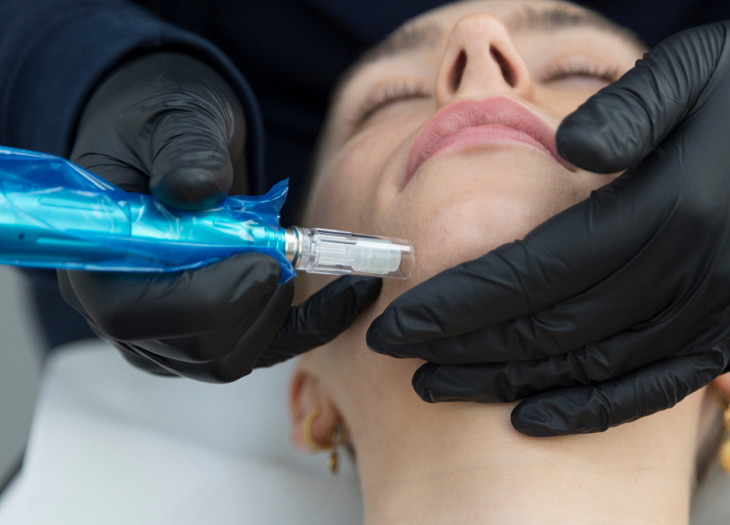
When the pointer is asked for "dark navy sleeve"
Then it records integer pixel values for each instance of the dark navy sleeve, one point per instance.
(54, 52)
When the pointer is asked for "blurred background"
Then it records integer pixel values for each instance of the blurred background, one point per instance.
(20, 363)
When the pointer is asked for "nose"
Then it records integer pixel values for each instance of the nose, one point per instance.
(481, 60)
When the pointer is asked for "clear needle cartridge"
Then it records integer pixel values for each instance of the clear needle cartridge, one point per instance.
(337, 253)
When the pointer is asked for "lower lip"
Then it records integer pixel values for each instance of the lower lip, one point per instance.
(479, 136)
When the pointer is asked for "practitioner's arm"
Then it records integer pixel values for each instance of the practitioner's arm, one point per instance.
(618, 307)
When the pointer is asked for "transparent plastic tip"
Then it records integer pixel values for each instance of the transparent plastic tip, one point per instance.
(342, 253)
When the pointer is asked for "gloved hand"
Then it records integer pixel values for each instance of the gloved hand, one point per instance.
(169, 124)
(618, 307)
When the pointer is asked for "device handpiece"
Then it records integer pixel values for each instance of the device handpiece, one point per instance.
(54, 214)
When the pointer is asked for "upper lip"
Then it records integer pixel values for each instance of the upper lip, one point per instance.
(498, 110)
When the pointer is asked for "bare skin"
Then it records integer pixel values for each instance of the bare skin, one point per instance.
(463, 463)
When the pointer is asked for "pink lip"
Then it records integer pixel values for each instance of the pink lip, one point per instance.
(476, 122)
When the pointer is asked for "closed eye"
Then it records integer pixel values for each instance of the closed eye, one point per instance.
(387, 95)
(602, 72)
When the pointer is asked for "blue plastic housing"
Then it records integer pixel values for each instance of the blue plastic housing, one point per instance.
(54, 214)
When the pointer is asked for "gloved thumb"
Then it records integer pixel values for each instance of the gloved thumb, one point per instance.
(192, 166)
(168, 123)
(622, 123)
(322, 317)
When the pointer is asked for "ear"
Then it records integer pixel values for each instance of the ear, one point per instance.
(307, 393)
(722, 383)
(710, 406)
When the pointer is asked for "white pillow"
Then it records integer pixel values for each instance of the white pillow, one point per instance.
(113, 445)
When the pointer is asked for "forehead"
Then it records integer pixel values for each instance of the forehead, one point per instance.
(448, 14)
(517, 16)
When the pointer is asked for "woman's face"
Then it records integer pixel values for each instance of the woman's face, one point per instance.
(445, 135)
(393, 163)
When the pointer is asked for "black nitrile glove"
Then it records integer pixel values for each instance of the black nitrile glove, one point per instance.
(169, 124)
(618, 307)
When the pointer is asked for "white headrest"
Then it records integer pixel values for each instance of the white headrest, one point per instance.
(114, 445)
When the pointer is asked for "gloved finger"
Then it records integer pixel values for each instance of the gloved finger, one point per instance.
(622, 123)
(198, 348)
(494, 382)
(595, 408)
(241, 359)
(143, 363)
(596, 363)
(512, 380)
(567, 326)
(191, 167)
(139, 306)
(322, 317)
(218, 341)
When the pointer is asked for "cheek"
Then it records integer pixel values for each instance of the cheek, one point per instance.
(340, 193)
(356, 184)
(563, 102)
(367, 386)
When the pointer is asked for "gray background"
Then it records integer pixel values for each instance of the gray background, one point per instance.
(19, 368)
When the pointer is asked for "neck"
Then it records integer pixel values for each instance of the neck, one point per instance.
(476, 469)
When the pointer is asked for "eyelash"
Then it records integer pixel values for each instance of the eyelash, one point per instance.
(607, 73)
(391, 93)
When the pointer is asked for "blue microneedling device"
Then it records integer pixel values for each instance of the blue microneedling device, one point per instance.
(54, 214)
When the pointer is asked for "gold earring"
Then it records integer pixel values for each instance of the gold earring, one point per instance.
(337, 439)
(724, 454)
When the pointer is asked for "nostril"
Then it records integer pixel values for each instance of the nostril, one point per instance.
(507, 71)
(457, 72)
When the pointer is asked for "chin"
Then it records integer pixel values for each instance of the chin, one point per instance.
(461, 206)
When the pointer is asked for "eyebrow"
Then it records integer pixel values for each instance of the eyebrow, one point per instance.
(560, 18)
(419, 36)
(410, 37)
